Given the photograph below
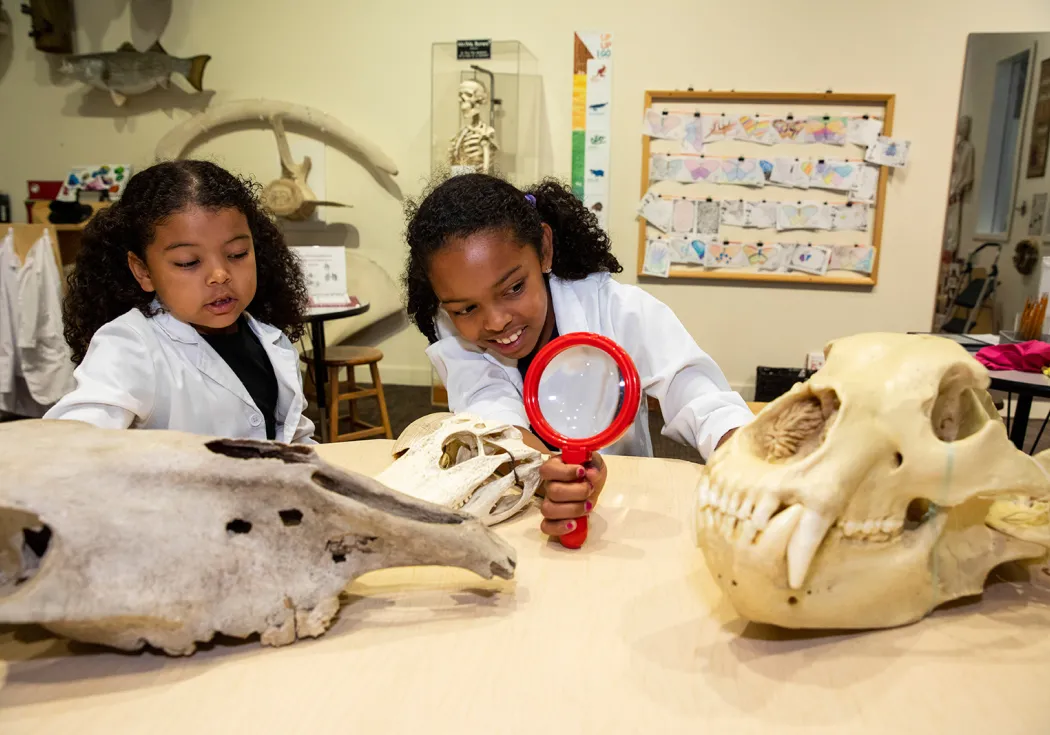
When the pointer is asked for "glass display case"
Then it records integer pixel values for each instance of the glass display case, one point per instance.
(485, 112)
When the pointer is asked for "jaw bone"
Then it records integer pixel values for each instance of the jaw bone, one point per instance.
(137, 538)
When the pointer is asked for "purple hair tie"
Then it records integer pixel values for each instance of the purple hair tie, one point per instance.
(530, 199)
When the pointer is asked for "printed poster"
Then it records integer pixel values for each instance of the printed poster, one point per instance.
(591, 115)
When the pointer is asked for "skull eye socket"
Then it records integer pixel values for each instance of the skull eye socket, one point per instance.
(797, 427)
(959, 411)
(24, 542)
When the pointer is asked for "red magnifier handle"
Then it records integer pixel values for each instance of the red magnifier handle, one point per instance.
(575, 538)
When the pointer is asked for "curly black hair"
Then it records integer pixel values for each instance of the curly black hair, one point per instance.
(470, 203)
(101, 286)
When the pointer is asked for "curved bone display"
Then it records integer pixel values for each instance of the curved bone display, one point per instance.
(288, 196)
(464, 462)
(135, 538)
(861, 498)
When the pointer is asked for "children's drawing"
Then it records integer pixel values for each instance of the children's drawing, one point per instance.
(760, 255)
(719, 127)
(866, 185)
(657, 259)
(656, 210)
(783, 173)
(767, 168)
(852, 216)
(693, 135)
(667, 126)
(758, 130)
(660, 168)
(829, 130)
(812, 259)
(707, 218)
(835, 175)
(778, 259)
(724, 255)
(803, 173)
(684, 217)
(686, 251)
(861, 131)
(888, 152)
(761, 215)
(803, 216)
(857, 258)
(789, 131)
(746, 172)
(703, 169)
(733, 213)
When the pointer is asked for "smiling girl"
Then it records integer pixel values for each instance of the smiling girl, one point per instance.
(494, 274)
(182, 310)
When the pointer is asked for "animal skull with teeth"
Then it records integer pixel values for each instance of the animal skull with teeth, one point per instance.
(860, 498)
(463, 462)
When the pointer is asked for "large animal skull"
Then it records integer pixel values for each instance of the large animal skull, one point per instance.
(464, 462)
(859, 499)
(129, 538)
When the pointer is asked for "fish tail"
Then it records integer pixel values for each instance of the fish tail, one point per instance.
(195, 74)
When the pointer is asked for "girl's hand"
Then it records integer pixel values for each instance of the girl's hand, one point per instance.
(571, 491)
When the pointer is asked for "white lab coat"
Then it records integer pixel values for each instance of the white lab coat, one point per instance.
(36, 366)
(697, 403)
(158, 373)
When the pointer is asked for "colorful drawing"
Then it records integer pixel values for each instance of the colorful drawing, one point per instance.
(803, 216)
(699, 248)
(836, 175)
(724, 255)
(812, 259)
(657, 259)
(719, 128)
(888, 152)
(684, 252)
(746, 172)
(693, 137)
(829, 130)
(108, 178)
(779, 258)
(760, 254)
(789, 130)
(857, 258)
(758, 130)
(704, 169)
(665, 125)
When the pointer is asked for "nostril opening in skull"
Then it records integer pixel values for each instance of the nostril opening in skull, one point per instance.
(919, 511)
(797, 427)
(24, 542)
(238, 525)
(898, 459)
(291, 517)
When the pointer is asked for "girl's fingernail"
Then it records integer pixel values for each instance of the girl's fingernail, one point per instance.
(571, 525)
(587, 506)
(581, 473)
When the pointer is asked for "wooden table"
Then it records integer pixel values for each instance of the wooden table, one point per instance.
(627, 635)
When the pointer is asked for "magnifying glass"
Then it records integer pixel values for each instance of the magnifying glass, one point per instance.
(581, 394)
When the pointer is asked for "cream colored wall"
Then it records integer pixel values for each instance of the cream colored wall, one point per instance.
(984, 53)
(368, 64)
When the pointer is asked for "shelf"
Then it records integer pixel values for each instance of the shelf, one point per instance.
(41, 211)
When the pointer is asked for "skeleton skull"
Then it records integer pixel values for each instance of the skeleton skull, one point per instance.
(463, 462)
(859, 499)
(472, 95)
(128, 538)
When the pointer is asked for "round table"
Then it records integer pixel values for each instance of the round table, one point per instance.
(316, 317)
(629, 634)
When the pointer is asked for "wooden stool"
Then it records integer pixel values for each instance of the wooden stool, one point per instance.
(350, 356)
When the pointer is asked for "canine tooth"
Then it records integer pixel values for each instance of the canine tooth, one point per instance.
(767, 506)
(776, 536)
(812, 528)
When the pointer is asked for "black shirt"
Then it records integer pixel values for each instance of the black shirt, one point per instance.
(245, 355)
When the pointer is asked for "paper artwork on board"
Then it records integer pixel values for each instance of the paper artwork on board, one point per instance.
(708, 216)
(857, 258)
(789, 131)
(852, 216)
(719, 127)
(760, 255)
(863, 131)
(664, 125)
(656, 210)
(657, 259)
(778, 259)
(866, 185)
(683, 219)
(827, 130)
(834, 174)
(686, 251)
(742, 172)
(811, 259)
(761, 215)
(724, 255)
(693, 135)
(888, 152)
(803, 216)
(733, 213)
(756, 129)
(783, 173)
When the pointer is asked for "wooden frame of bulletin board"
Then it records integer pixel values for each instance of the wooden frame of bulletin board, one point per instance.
(770, 106)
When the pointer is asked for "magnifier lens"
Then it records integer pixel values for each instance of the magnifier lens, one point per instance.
(581, 392)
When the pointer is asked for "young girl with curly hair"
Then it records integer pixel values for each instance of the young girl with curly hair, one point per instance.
(182, 310)
(495, 273)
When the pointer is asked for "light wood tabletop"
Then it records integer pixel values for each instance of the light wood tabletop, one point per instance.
(629, 634)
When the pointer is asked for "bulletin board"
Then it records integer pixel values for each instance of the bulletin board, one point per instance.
(765, 186)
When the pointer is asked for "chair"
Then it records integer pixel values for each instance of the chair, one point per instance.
(349, 357)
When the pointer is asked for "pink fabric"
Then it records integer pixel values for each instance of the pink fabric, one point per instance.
(1027, 357)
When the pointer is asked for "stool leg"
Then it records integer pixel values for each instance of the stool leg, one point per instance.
(351, 387)
(333, 404)
(374, 367)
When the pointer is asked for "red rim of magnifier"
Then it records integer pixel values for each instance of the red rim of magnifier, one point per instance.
(623, 420)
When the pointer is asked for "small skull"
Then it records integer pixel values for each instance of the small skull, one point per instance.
(859, 499)
(471, 96)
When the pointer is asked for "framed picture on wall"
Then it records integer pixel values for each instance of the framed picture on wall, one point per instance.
(1037, 152)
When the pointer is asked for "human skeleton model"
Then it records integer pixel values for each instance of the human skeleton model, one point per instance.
(475, 144)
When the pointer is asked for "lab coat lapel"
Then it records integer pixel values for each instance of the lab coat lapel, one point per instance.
(569, 312)
(202, 356)
(285, 363)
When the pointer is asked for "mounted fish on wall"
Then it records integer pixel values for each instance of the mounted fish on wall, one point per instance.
(127, 71)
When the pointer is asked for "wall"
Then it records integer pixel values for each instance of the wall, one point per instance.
(982, 55)
(369, 65)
